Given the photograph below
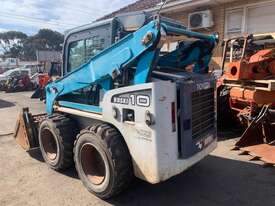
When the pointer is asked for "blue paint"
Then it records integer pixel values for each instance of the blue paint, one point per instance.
(82, 107)
(101, 66)
(106, 84)
(144, 66)
(181, 31)
(124, 53)
(198, 52)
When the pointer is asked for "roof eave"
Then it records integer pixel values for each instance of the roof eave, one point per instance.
(182, 5)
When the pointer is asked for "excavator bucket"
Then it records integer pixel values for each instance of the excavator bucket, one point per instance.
(258, 140)
(26, 129)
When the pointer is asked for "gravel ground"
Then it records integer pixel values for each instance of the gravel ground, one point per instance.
(223, 178)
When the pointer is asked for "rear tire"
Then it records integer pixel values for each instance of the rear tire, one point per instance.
(56, 138)
(102, 160)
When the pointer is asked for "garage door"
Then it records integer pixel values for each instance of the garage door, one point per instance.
(261, 19)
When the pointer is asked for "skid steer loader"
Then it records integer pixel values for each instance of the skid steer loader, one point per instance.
(126, 105)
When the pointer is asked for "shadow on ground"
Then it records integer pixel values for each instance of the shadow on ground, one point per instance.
(215, 181)
(5, 104)
(36, 154)
(229, 133)
(237, 183)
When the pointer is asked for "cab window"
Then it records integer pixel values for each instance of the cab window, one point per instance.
(76, 55)
(94, 45)
(81, 51)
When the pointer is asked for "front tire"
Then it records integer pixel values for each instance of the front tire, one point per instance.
(56, 138)
(102, 160)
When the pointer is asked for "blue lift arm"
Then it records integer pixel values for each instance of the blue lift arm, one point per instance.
(140, 45)
(102, 67)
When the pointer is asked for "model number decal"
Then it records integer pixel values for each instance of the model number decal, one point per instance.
(202, 86)
(139, 100)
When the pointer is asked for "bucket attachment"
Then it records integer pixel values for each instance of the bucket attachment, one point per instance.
(26, 129)
(258, 140)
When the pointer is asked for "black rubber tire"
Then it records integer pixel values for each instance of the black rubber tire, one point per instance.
(64, 132)
(114, 152)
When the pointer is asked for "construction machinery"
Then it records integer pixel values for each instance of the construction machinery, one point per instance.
(19, 83)
(247, 93)
(45, 78)
(125, 106)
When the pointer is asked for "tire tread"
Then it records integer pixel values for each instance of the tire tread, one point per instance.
(66, 132)
(119, 154)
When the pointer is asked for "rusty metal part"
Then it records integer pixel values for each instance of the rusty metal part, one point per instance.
(259, 138)
(252, 94)
(249, 71)
(258, 66)
(93, 164)
(49, 143)
(26, 132)
(260, 130)
(262, 55)
(259, 97)
(265, 85)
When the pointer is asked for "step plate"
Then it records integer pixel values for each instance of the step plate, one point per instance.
(264, 152)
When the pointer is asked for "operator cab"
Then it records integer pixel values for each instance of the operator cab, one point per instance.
(82, 43)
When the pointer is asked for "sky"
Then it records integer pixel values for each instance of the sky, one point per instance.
(29, 16)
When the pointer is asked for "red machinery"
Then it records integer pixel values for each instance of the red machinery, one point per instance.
(247, 86)
(45, 78)
(19, 83)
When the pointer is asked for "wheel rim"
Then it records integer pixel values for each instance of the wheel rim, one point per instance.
(49, 144)
(92, 164)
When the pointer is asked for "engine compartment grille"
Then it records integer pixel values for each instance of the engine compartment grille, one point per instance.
(203, 112)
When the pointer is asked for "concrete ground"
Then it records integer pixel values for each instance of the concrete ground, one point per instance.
(223, 178)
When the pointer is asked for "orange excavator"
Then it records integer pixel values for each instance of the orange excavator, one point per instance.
(246, 93)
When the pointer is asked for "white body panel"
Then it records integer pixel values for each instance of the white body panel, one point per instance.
(154, 149)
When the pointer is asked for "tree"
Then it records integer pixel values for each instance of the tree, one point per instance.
(11, 43)
(53, 40)
(45, 39)
(18, 45)
(31, 45)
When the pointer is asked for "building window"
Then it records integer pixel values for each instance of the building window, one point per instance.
(261, 19)
(234, 22)
(255, 18)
